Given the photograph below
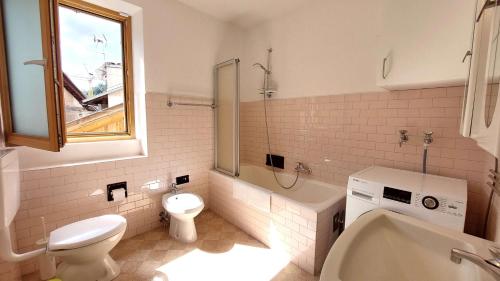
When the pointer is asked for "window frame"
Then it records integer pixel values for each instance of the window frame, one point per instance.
(53, 89)
(126, 24)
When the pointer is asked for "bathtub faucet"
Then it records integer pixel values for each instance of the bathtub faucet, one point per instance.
(301, 168)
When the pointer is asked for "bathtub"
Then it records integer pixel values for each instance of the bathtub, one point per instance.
(303, 221)
(308, 193)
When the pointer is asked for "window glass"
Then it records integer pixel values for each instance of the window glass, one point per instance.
(93, 72)
(25, 67)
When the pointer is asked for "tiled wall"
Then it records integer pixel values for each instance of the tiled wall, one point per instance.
(335, 135)
(180, 141)
(8, 270)
(339, 134)
(303, 234)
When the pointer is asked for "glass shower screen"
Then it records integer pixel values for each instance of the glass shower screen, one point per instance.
(226, 83)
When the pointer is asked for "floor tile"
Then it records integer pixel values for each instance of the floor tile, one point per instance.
(222, 252)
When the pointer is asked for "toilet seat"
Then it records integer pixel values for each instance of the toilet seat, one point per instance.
(86, 232)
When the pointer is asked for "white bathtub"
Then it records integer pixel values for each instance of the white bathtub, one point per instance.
(299, 221)
(308, 193)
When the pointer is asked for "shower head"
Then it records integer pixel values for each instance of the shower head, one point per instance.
(263, 68)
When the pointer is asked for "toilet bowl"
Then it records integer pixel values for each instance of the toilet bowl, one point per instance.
(83, 248)
(183, 208)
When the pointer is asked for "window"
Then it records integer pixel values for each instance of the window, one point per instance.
(29, 88)
(94, 58)
(66, 74)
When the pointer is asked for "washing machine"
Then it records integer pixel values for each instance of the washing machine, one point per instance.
(436, 199)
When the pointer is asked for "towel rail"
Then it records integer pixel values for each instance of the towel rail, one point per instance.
(172, 104)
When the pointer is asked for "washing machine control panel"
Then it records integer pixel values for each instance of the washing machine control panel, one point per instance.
(425, 201)
(395, 194)
(430, 202)
(440, 204)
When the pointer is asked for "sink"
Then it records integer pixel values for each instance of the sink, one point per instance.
(385, 246)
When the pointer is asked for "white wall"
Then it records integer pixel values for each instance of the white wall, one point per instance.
(181, 46)
(332, 46)
(426, 40)
(326, 48)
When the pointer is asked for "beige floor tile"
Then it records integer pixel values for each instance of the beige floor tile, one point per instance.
(148, 244)
(130, 266)
(154, 256)
(163, 245)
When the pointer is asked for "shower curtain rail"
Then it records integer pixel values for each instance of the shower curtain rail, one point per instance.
(172, 104)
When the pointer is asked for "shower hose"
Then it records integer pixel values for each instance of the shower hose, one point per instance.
(269, 150)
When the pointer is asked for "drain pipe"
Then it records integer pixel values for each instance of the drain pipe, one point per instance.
(427, 140)
(6, 252)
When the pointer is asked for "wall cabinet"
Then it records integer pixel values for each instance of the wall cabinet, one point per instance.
(421, 43)
(480, 114)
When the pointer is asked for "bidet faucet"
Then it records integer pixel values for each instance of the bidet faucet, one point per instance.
(173, 188)
(492, 266)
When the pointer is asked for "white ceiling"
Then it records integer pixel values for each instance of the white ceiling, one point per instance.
(245, 13)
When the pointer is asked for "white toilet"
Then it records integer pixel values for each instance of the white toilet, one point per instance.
(83, 246)
(183, 208)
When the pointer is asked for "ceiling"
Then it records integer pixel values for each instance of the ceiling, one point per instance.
(245, 13)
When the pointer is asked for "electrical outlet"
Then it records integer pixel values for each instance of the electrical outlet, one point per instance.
(336, 222)
(278, 161)
(182, 179)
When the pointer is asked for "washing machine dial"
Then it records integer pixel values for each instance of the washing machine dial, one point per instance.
(430, 202)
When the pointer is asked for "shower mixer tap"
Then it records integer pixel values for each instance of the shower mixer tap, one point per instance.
(301, 168)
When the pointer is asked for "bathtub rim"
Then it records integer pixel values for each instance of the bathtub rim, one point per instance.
(339, 194)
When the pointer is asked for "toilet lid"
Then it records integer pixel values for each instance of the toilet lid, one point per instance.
(86, 232)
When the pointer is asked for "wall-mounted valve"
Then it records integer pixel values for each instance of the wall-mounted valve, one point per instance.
(403, 137)
(428, 138)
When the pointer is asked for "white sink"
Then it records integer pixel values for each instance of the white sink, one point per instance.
(386, 246)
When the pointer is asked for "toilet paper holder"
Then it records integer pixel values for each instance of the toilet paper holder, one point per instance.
(114, 186)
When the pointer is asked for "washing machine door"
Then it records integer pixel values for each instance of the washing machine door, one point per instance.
(358, 205)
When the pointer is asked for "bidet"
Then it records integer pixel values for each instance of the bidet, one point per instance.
(183, 208)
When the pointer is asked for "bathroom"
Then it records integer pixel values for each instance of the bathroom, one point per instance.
(234, 95)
